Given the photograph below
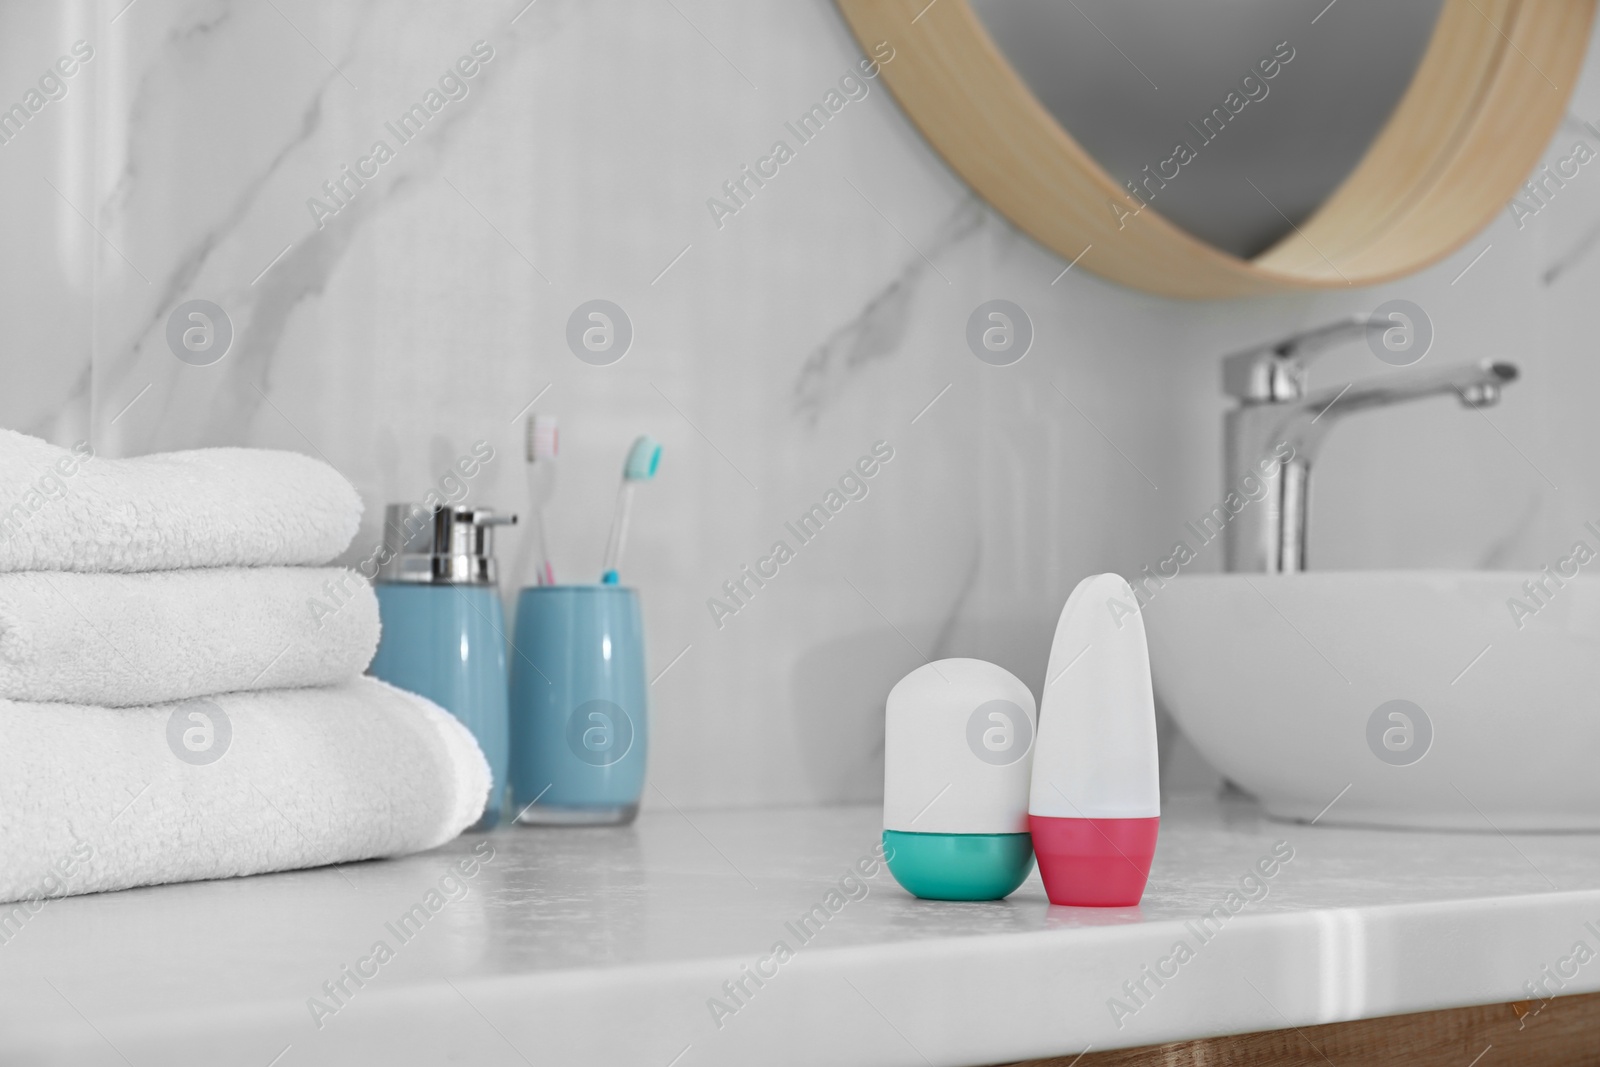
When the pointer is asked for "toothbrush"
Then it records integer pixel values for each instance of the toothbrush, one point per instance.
(543, 445)
(643, 458)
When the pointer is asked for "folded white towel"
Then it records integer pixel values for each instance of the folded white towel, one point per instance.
(93, 799)
(67, 510)
(121, 639)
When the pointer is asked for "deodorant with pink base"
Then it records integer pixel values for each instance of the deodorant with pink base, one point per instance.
(1094, 803)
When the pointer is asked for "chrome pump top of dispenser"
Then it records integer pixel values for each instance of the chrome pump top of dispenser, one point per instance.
(445, 545)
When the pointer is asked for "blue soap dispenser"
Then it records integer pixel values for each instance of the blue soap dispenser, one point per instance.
(443, 625)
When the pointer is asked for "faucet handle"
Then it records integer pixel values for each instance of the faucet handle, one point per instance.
(1279, 371)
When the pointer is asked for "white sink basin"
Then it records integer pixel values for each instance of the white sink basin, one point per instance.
(1276, 679)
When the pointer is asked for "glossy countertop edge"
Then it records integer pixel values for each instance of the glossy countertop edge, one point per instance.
(936, 998)
(958, 1001)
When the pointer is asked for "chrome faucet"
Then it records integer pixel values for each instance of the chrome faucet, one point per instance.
(1275, 409)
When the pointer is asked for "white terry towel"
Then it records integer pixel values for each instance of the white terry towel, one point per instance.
(121, 639)
(94, 799)
(68, 510)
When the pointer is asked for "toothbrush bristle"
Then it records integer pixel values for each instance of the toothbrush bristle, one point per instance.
(544, 439)
(643, 459)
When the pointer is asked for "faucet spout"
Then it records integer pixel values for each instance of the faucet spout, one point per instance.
(1272, 444)
(1476, 385)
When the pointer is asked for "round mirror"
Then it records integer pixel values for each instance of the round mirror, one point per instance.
(1273, 117)
(1219, 148)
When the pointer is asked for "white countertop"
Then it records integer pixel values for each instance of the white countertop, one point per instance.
(605, 946)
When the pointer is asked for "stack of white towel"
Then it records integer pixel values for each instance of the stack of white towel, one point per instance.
(180, 678)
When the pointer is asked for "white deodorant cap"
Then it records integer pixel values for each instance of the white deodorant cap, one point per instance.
(958, 735)
(1096, 753)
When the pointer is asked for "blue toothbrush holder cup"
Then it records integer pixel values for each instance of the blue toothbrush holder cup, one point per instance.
(579, 706)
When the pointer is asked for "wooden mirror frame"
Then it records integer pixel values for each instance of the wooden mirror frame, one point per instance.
(1482, 106)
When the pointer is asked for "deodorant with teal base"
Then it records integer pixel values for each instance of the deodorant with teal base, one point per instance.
(958, 740)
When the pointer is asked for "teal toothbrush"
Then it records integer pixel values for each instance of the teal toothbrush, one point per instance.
(643, 459)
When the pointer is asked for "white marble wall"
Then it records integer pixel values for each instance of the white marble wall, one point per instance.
(769, 353)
